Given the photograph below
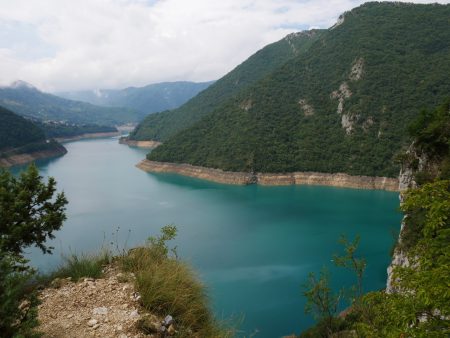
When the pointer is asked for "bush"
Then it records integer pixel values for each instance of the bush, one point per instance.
(18, 312)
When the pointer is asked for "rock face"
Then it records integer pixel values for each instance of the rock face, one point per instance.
(300, 178)
(406, 181)
(140, 144)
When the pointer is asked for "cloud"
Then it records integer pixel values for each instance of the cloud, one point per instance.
(87, 44)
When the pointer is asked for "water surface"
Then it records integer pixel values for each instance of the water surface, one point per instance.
(253, 246)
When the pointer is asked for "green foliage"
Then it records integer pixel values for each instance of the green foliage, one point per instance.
(18, 314)
(355, 264)
(320, 301)
(159, 243)
(421, 307)
(28, 213)
(264, 128)
(64, 130)
(19, 136)
(169, 286)
(77, 266)
(431, 131)
(163, 125)
(15, 131)
(28, 101)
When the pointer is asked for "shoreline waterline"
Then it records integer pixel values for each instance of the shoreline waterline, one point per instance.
(272, 179)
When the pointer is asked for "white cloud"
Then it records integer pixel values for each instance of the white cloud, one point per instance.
(86, 44)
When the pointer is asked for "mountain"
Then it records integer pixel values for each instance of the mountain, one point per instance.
(149, 99)
(162, 125)
(63, 130)
(342, 105)
(19, 136)
(24, 99)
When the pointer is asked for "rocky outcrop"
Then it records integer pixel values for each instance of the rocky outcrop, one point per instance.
(140, 144)
(406, 181)
(18, 159)
(104, 307)
(299, 178)
(88, 136)
(308, 110)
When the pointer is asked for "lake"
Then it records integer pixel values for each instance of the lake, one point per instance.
(253, 246)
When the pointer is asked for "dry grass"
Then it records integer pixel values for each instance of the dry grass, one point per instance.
(169, 286)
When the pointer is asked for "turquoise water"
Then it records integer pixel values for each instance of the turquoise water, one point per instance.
(253, 246)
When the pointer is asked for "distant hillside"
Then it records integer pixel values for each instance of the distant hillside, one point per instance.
(146, 100)
(165, 124)
(19, 136)
(69, 130)
(26, 100)
(340, 106)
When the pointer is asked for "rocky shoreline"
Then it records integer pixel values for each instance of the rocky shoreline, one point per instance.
(18, 159)
(88, 136)
(297, 178)
(140, 144)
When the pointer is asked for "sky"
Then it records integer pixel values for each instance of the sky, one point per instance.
(68, 45)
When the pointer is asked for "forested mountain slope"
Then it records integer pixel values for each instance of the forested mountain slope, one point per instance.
(20, 136)
(341, 106)
(24, 99)
(146, 100)
(162, 125)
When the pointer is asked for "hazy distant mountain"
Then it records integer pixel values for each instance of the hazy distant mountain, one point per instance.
(149, 99)
(343, 105)
(27, 100)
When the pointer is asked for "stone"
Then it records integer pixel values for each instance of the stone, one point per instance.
(122, 335)
(92, 322)
(149, 324)
(168, 320)
(171, 330)
(100, 311)
(134, 314)
(136, 296)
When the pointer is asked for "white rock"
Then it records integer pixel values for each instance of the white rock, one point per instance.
(122, 335)
(134, 314)
(100, 311)
(92, 322)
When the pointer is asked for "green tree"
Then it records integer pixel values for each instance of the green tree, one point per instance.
(29, 214)
(351, 261)
(321, 302)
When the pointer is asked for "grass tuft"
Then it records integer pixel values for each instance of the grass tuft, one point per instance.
(169, 286)
(83, 265)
